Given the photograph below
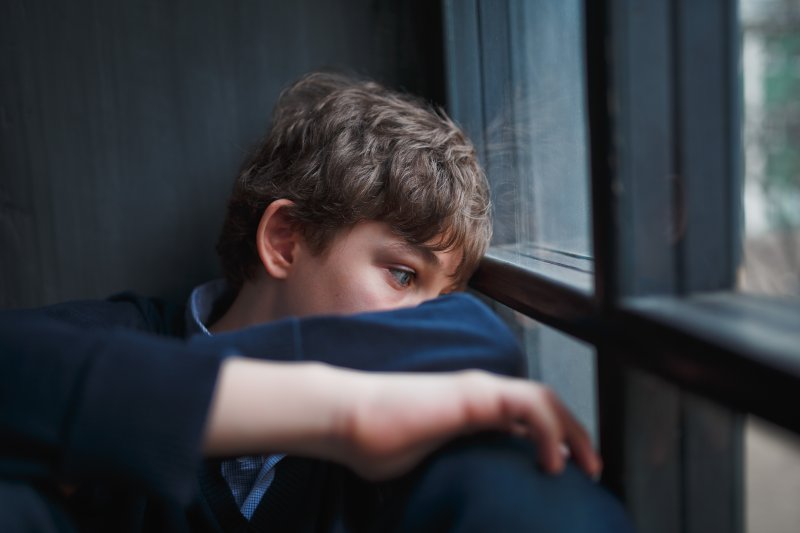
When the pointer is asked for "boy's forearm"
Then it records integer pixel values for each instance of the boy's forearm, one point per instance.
(261, 407)
(380, 425)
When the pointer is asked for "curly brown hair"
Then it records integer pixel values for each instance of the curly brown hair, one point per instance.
(345, 151)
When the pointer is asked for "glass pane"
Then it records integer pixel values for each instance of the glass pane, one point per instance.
(549, 121)
(772, 478)
(771, 79)
(516, 80)
(771, 248)
(566, 365)
(682, 458)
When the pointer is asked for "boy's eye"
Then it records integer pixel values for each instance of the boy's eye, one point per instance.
(403, 277)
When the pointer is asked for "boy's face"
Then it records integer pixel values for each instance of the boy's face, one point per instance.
(367, 268)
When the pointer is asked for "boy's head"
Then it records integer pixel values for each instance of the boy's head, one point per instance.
(344, 154)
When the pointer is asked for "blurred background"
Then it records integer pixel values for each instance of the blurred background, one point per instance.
(771, 240)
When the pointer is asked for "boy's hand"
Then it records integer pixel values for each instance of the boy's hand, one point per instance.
(390, 422)
(381, 425)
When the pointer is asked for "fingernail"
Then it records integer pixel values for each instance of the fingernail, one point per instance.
(597, 471)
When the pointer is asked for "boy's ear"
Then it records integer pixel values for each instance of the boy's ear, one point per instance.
(277, 238)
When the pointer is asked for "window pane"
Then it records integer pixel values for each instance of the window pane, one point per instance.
(772, 478)
(771, 79)
(682, 458)
(520, 95)
(566, 365)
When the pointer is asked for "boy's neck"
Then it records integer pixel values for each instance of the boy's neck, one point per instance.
(254, 304)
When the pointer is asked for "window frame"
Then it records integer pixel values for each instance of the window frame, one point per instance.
(674, 315)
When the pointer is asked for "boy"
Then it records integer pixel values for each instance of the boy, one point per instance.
(359, 200)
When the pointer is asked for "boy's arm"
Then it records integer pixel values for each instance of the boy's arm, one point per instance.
(381, 425)
(78, 403)
(450, 333)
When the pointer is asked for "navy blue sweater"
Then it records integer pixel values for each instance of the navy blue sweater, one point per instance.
(107, 395)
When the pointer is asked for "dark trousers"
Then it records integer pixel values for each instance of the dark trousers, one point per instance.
(485, 483)
(492, 483)
(27, 508)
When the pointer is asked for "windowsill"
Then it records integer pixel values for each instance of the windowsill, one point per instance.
(574, 270)
(762, 329)
(738, 348)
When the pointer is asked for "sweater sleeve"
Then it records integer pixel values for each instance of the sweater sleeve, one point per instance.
(449, 333)
(81, 399)
(78, 404)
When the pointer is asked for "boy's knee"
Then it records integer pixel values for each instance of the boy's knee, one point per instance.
(492, 482)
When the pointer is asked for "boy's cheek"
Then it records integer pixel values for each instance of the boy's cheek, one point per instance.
(347, 293)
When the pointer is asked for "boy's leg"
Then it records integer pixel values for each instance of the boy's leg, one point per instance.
(489, 482)
(492, 483)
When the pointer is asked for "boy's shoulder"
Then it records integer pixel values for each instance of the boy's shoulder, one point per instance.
(127, 310)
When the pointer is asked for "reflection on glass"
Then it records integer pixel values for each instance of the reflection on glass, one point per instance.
(771, 78)
(536, 142)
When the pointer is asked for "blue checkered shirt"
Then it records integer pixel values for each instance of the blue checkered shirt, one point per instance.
(247, 477)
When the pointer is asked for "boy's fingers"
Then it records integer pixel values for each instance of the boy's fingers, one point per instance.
(533, 410)
(552, 427)
(547, 430)
(579, 442)
(582, 450)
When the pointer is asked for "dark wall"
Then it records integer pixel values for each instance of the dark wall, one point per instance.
(122, 125)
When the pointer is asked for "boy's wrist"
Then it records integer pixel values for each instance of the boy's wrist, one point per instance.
(341, 394)
(329, 392)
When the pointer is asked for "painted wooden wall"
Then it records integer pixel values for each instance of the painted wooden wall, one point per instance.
(122, 125)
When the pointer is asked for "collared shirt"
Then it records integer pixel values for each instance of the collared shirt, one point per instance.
(247, 477)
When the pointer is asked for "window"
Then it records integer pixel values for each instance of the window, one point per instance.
(517, 84)
(771, 83)
(770, 32)
(524, 107)
(611, 131)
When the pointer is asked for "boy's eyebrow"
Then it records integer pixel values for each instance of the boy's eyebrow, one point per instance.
(417, 249)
